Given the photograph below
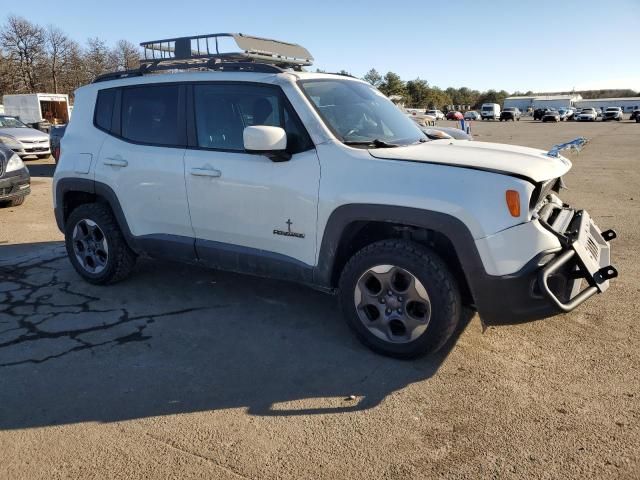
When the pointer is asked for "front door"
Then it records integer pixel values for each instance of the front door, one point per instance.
(248, 212)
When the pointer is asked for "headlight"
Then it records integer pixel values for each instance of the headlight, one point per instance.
(15, 163)
(10, 142)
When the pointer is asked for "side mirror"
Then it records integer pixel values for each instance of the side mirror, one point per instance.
(266, 140)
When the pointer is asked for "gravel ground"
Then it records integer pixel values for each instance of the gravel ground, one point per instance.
(181, 372)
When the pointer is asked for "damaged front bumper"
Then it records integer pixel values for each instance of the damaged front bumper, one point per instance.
(554, 281)
(585, 258)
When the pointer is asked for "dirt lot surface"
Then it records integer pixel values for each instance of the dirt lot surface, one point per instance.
(181, 372)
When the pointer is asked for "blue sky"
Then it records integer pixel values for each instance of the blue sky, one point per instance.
(521, 45)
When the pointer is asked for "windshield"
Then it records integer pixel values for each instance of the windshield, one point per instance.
(612, 109)
(487, 107)
(358, 113)
(11, 122)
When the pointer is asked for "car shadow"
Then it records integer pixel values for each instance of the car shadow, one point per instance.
(42, 170)
(178, 339)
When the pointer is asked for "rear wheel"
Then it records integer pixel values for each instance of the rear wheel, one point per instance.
(95, 245)
(400, 298)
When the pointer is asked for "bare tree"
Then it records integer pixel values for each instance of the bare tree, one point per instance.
(57, 50)
(23, 44)
(74, 73)
(97, 58)
(126, 55)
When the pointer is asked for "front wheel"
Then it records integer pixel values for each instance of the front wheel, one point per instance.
(400, 298)
(96, 246)
(18, 201)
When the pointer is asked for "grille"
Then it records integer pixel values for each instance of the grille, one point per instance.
(593, 248)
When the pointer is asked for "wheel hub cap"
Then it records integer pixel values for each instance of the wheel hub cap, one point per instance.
(90, 246)
(392, 303)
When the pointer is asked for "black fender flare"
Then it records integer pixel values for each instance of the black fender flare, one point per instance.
(451, 227)
(99, 189)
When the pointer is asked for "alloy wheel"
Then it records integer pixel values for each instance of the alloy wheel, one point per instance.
(392, 303)
(90, 246)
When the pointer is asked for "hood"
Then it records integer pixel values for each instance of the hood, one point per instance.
(24, 133)
(523, 162)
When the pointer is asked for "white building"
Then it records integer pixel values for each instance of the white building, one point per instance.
(628, 104)
(542, 101)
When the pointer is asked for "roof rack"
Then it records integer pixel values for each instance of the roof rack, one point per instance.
(252, 54)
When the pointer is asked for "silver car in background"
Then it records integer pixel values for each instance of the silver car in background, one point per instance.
(23, 140)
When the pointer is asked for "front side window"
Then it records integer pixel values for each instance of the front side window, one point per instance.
(358, 114)
(150, 114)
(223, 111)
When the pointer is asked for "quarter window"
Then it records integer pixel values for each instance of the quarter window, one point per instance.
(104, 109)
(150, 114)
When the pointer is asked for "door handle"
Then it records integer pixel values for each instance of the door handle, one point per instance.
(115, 162)
(206, 172)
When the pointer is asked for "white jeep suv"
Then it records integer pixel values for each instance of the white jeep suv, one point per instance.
(254, 166)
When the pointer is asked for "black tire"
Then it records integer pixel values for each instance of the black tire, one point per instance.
(120, 260)
(17, 201)
(430, 270)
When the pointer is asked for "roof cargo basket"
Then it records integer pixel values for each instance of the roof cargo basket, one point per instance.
(208, 47)
(210, 51)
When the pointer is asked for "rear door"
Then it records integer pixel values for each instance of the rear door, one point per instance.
(142, 161)
(248, 212)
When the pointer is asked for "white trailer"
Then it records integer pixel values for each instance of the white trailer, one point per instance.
(33, 108)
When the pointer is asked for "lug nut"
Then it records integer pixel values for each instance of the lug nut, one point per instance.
(399, 310)
(382, 300)
(389, 292)
(388, 311)
(400, 299)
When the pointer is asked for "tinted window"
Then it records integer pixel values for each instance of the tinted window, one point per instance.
(223, 111)
(104, 108)
(150, 114)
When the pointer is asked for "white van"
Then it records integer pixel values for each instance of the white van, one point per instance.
(490, 111)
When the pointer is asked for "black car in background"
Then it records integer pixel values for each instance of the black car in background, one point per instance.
(635, 115)
(55, 135)
(538, 113)
(15, 181)
(510, 113)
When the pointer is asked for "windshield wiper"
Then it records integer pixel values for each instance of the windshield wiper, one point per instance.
(377, 143)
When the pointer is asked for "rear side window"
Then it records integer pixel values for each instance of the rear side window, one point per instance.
(150, 114)
(104, 109)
